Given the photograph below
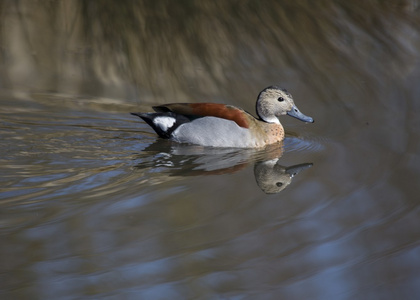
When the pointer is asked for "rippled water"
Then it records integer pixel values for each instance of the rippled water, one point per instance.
(94, 205)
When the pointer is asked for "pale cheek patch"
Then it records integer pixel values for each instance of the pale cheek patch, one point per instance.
(164, 122)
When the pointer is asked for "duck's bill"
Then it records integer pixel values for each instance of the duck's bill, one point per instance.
(295, 113)
(296, 169)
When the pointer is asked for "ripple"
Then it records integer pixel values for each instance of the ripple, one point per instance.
(304, 144)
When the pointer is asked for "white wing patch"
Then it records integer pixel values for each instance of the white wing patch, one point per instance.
(164, 122)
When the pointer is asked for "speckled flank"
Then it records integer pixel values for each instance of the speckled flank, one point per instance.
(268, 133)
(275, 133)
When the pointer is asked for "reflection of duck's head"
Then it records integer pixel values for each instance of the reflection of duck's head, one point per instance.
(273, 178)
(189, 160)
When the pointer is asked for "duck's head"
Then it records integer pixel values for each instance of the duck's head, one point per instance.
(274, 102)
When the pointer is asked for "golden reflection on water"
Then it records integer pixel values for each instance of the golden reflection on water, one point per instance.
(165, 52)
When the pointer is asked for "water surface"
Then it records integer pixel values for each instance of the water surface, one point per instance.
(94, 205)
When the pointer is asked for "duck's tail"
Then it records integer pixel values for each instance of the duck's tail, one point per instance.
(164, 123)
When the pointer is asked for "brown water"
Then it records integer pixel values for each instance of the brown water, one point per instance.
(94, 205)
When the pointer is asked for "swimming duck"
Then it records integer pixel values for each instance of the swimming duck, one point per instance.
(220, 125)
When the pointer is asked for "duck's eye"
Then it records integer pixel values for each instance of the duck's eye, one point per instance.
(280, 99)
(279, 184)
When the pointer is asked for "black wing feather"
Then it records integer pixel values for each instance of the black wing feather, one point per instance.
(149, 117)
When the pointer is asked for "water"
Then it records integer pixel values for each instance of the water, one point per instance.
(94, 205)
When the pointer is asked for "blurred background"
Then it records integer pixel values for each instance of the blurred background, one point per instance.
(94, 205)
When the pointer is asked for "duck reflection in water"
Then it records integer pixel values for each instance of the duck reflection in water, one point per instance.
(188, 160)
(272, 177)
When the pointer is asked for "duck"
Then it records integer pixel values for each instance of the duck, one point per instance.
(227, 126)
